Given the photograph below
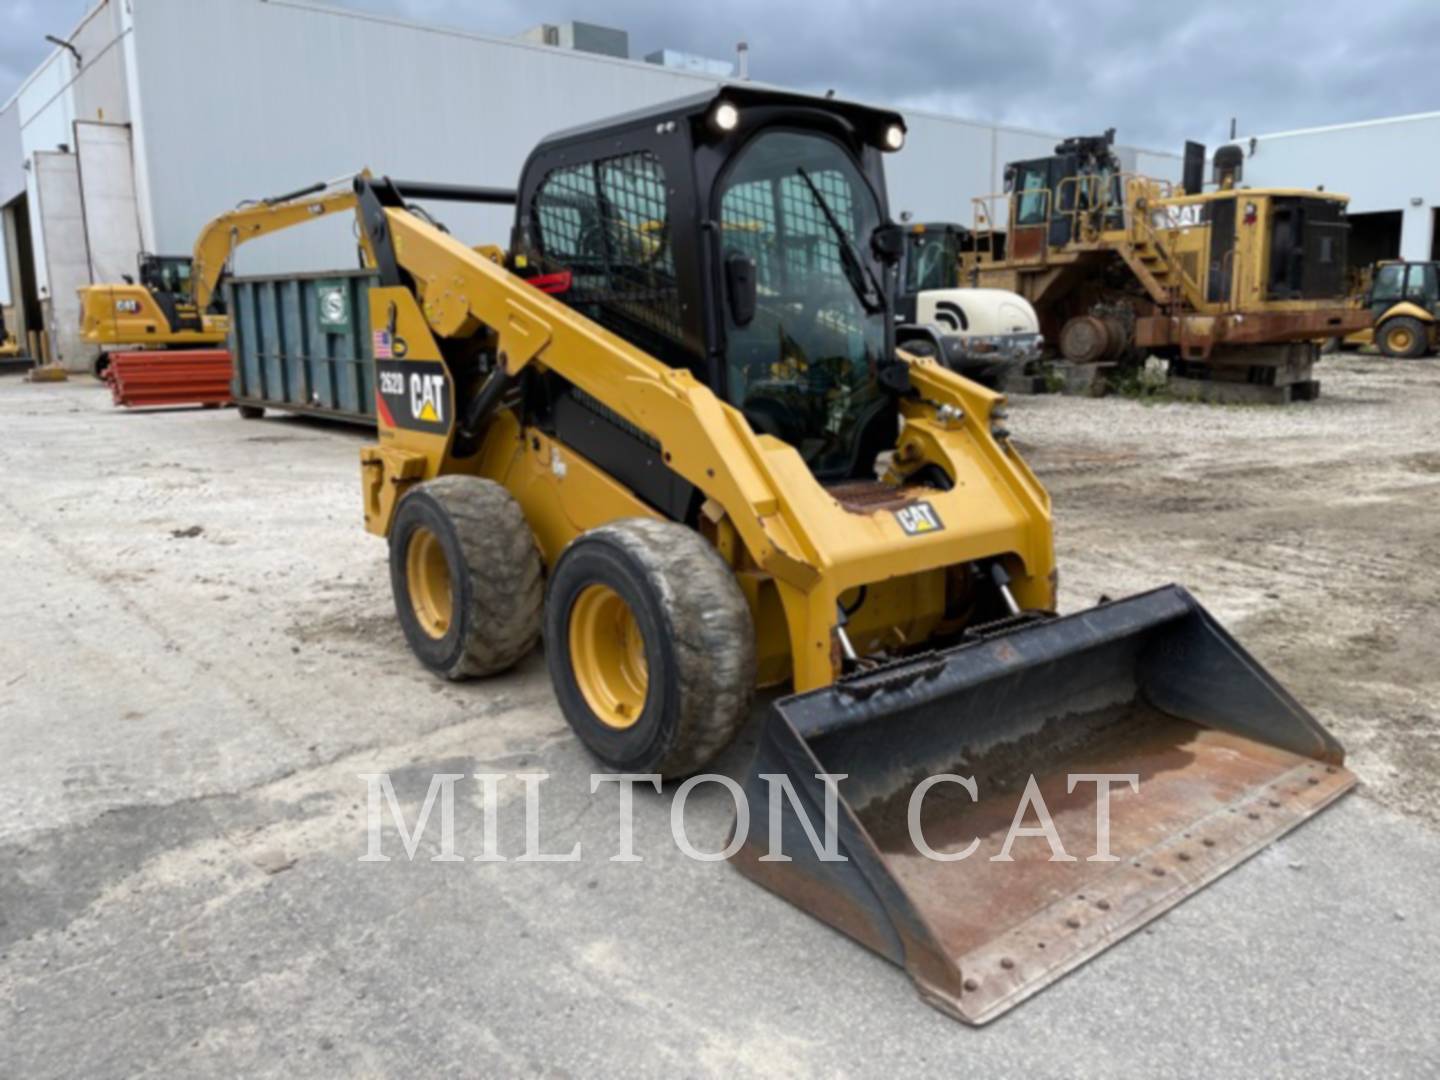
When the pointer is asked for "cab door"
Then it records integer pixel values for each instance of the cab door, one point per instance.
(1387, 289)
(1030, 210)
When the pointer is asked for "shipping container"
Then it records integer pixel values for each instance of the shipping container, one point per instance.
(301, 344)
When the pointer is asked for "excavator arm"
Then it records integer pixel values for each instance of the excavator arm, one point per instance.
(219, 239)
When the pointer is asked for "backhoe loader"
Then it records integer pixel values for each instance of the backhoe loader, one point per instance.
(669, 431)
(177, 303)
(1404, 300)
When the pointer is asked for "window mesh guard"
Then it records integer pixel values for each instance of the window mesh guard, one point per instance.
(606, 221)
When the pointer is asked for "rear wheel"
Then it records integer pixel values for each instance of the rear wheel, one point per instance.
(650, 646)
(466, 575)
(1402, 337)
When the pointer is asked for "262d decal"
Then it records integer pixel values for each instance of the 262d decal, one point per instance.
(413, 394)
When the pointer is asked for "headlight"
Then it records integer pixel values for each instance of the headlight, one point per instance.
(726, 117)
(894, 137)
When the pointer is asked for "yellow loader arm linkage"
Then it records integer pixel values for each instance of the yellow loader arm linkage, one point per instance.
(812, 546)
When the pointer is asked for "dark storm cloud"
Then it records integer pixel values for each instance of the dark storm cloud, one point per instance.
(1158, 72)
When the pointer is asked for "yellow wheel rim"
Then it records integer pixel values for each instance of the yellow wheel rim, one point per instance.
(607, 654)
(427, 573)
(1400, 339)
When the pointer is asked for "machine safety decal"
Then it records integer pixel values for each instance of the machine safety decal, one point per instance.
(413, 394)
(918, 518)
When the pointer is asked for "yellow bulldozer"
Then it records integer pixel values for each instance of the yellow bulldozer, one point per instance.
(1235, 287)
(176, 302)
(669, 431)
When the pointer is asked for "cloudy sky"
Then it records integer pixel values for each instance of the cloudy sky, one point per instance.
(1158, 72)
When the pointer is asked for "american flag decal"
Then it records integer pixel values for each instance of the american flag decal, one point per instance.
(382, 344)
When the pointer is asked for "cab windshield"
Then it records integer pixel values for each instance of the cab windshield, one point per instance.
(932, 261)
(804, 367)
(167, 273)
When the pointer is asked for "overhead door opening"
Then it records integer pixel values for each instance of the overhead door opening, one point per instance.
(20, 257)
(1373, 237)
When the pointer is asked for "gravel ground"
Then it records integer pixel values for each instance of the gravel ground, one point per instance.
(200, 660)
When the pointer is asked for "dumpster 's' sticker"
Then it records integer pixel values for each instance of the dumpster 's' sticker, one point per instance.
(413, 394)
(334, 309)
(917, 518)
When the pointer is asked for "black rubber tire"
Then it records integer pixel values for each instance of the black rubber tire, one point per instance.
(250, 412)
(496, 576)
(699, 644)
(1419, 337)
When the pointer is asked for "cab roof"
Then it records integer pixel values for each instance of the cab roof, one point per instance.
(865, 118)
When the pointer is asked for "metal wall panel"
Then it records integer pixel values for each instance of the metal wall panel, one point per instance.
(67, 265)
(312, 93)
(107, 193)
(12, 155)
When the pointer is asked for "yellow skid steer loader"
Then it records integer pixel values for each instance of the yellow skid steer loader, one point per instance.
(670, 429)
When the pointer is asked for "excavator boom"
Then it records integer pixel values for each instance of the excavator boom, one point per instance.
(127, 314)
(250, 221)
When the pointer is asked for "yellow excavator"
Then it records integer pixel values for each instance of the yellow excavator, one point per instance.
(669, 430)
(176, 302)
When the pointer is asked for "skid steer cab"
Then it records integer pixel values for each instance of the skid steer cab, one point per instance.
(670, 431)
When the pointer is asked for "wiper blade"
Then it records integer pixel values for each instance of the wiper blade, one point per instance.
(861, 280)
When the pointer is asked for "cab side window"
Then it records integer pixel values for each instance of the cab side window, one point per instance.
(1389, 283)
(608, 223)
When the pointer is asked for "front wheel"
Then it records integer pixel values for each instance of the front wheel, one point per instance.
(1402, 337)
(467, 577)
(650, 646)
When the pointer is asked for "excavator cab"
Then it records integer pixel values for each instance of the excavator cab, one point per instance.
(168, 279)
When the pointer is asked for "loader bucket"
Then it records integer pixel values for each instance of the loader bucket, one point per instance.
(1224, 761)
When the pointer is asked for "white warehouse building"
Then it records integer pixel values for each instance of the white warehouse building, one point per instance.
(168, 112)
